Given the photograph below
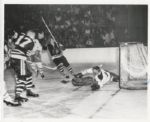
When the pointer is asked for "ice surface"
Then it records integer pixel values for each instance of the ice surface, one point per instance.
(59, 100)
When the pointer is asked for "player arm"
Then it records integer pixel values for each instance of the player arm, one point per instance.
(87, 71)
(84, 72)
(49, 46)
(61, 46)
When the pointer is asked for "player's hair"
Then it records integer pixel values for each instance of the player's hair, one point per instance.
(97, 68)
(11, 33)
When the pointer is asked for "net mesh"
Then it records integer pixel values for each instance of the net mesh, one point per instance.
(133, 66)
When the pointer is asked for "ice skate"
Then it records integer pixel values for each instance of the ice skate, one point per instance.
(19, 99)
(9, 101)
(31, 94)
(42, 75)
(66, 80)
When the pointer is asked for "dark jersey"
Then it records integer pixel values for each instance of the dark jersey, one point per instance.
(23, 44)
(54, 49)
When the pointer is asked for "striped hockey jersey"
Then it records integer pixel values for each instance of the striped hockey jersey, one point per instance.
(23, 45)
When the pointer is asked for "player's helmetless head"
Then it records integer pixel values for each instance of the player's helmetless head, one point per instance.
(52, 41)
(96, 69)
(31, 34)
(13, 34)
(40, 35)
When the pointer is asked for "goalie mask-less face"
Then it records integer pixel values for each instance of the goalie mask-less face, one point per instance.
(96, 70)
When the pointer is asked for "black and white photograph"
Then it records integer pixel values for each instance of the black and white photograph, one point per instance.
(84, 61)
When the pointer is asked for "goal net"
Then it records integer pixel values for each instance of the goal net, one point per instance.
(133, 65)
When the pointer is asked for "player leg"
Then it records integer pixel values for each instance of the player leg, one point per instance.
(34, 68)
(69, 69)
(18, 67)
(114, 77)
(67, 65)
(29, 82)
(60, 66)
(40, 69)
(37, 64)
(58, 62)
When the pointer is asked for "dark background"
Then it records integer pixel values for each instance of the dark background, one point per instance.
(73, 25)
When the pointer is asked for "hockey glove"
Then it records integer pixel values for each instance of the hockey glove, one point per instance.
(95, 87)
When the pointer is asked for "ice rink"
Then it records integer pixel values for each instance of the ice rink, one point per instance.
(59, 100)
(87, 34)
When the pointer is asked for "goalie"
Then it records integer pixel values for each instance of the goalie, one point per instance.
(99, 77)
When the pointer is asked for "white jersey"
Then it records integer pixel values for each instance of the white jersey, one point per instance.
(37, 51)
(102, 78)
(37, 46)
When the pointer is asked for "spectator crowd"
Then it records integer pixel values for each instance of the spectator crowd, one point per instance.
(75, 26)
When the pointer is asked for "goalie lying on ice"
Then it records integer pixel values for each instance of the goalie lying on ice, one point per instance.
(100, 77)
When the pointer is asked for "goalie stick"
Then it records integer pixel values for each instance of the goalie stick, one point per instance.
(47, 67)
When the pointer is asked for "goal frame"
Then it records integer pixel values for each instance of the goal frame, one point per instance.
(123, 44)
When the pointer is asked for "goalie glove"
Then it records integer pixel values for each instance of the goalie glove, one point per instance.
(95, 87)
(77, 82)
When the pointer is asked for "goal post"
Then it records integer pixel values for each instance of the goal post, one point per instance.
(133, 65)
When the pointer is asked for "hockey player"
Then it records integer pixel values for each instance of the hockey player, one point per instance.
(36, 58)
(23, 49)
(56, 51)
(100, 76)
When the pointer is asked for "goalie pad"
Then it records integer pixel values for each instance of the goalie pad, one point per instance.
(84, 81)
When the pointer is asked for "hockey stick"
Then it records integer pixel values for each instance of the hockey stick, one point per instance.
(51, 68)
(48, 29)
(43, 20)
(47, 67)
